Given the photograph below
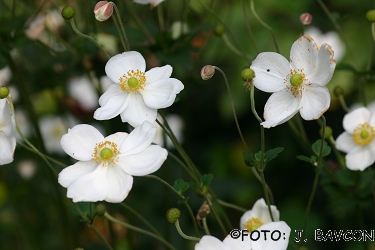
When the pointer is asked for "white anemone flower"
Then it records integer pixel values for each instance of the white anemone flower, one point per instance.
(358, 139)
(7, 133)
(258, 215)
(152, 2)
(106, 165)
(136, 95)
(298, 85)
(280, 232)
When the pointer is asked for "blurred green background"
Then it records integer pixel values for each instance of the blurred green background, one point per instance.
(44, 56)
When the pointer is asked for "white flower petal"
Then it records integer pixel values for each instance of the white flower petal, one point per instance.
(69, 174)
(345, 142)
(314, 102)
(360, 157)
(8, 145)
(275, 230)
(137, 111)
(80, 141)
(139, 139)
(280, 107)
(146, 162)
(120, 64)
(7, 123)
(354, 118)
(118, 138)
(112, 102)
(153, 2)
(209, 242)
(238, 244)
(324, 67)
(93, 186)
(162, 93)
(158, 73)
(119, 184)
(82, 90)
(270, 71)
(303, 54)
(259, 211)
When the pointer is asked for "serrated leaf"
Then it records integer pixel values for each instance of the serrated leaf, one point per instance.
(249, 161)
(206, 179)
(181, 186)
(304, 158)
(316, 148)
(185, 200)
(272, 153)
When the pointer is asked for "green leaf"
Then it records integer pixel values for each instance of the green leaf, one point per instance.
(185, 200)
(86, 208)
(272, 153)
(248, 159)
(304, 158)
(316, 148)
(181, 186)
(206, 179)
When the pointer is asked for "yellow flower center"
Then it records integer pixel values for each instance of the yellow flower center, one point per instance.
(363, 134)
(105, 153)
(253, 224)
(296, 79)
(132, 81)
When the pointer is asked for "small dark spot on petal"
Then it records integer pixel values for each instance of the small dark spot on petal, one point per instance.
(268, 70)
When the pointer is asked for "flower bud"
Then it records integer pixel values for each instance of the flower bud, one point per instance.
(207, 72)
(219, 30)
(103, 10)
(100, 209)
(338, 91)
(173, 214)
(68, 12)
(4, 92)
(328, 132)
(370, 16)
(247, 75)
(305, 18)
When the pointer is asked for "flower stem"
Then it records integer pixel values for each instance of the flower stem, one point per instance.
(120, 26)
(230, 205)
(265, 25)
(74, 27)
(177, 224)
(205, 226)
(249, 28)
(139, 230)
(100, 236)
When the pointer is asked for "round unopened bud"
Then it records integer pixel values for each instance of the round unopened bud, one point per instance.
(4, 92)
(327, 134)
(219, 30)
(305, 18)
(370, 16)
(173, 214)
(247, 75)
(68, 12)
(103, 10)
(338, 91)
(100, 209)
(207, 72)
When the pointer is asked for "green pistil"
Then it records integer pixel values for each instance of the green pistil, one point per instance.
(106, 153)
(296, 79)
(364, 134)
(133, 82)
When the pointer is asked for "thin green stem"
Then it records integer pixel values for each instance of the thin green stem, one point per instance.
(177, 224)
(139, 230)
(205, 226)
(119, 22)
(74, 27)
(343, 103)
(338, 155)
(100, 236)
(230, 45)
(249, 27)
(152, 228)
(265, 25)
(372, 184)
(230, 205)
(180, 163)
(227, 29)
(161, 18)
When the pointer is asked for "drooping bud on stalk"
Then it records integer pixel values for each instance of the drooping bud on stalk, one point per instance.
(219, 30)
(338, 91)
(173, 214)
(100, 209)
(4, 92)
(370, 16)
(68, 12)
(207, 72)
(103, 10)
(305, 18)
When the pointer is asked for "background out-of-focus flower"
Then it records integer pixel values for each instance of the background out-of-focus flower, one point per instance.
(83, 91)
(176, 124)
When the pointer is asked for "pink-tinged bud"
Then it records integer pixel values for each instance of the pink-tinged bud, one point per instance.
(207, 72)
(305, 18)
(103, 10)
